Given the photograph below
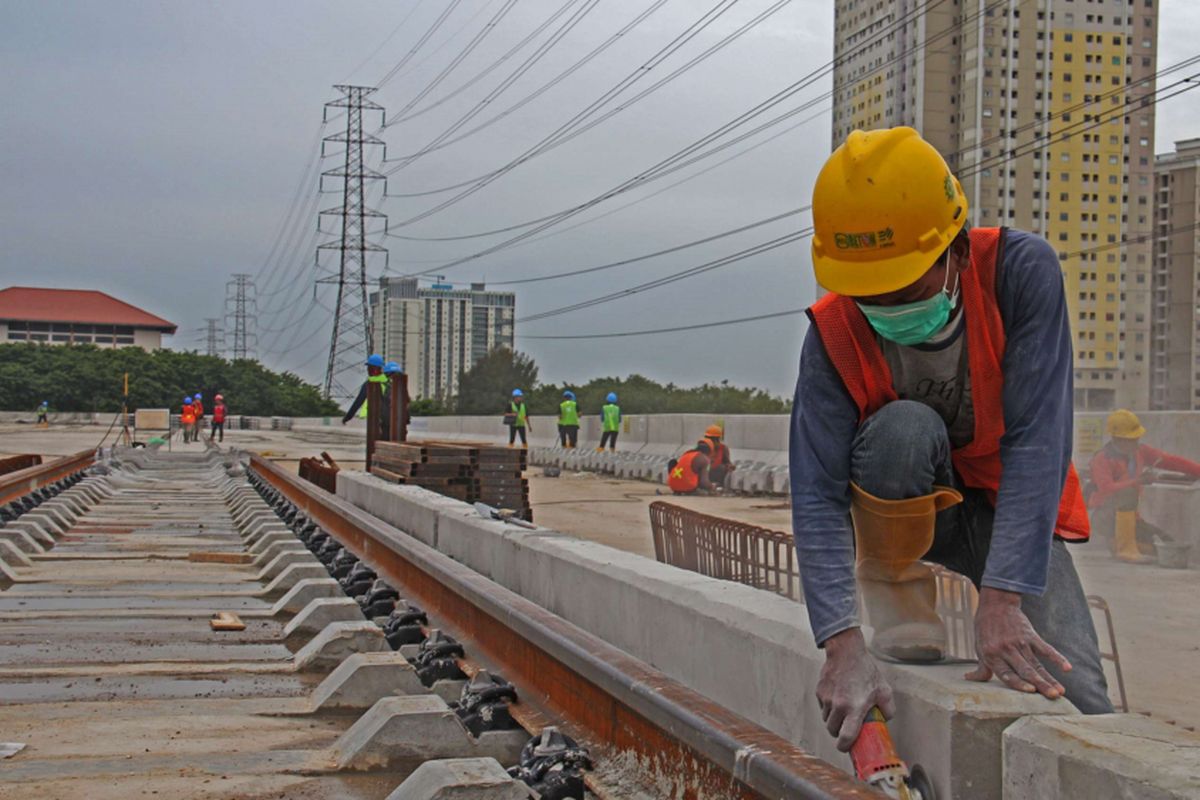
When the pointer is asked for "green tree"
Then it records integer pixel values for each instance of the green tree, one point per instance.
(88, 378)
(487, 386)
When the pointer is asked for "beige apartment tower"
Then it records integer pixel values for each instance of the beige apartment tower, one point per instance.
(1043, 108)
(1175, 325)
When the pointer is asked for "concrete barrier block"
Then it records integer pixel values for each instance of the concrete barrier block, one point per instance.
(266, 556)
(261, 530)
(266, 540)
(303, 593)
(35, 529)
(290, 577)
(460, 779)
(49, 521)
(337, 642)
(13, 555)
(247, 519)
(7, 576)
(65, 506)
(363, 678)
(1110, 756)
(21, 540)
(416, 729)
(413, 510)
(316, 616)
(285, 560)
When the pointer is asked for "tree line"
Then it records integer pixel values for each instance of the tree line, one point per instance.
(486, 387)
(87, 378)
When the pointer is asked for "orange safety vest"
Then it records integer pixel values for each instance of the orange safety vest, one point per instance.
(682, 478)
(188, 416)
(855, 353)
(718, 452)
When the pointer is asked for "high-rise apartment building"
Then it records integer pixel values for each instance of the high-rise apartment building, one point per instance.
(1174, 321)
(437, 332)
(1044, 110)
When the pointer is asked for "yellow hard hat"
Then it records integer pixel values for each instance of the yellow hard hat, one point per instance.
(885, 206)
(1124, 424)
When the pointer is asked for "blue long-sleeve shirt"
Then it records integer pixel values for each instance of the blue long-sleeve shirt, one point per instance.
(1035, 450)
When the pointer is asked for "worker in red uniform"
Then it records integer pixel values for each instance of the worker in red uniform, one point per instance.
(218, 417)
(689, 474)
(720, 462)
(1119, 471)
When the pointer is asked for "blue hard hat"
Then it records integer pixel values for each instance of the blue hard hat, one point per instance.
(375, 360)
(569, 394)
(518, 393)
(392, 368)
(187, 399)
(612, 397)
(45, 402)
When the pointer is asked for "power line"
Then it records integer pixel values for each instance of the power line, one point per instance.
(487, 70)
(462, 55)
(666, 166)
(690, 272)
(437, 23)
(676, 329)
(416, 5)
(677, 248)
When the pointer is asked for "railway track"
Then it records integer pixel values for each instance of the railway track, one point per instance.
(114, 680)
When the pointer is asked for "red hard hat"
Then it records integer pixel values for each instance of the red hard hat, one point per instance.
(220, 397)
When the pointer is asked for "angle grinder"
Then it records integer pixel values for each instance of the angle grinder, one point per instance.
(876, 763)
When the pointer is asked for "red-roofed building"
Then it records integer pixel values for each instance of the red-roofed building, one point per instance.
(77, 316)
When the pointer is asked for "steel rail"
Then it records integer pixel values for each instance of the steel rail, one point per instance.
(23, 481)
(688, 745)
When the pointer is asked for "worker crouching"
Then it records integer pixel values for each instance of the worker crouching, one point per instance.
(1119, 472)
(933, 407)
(689, 473)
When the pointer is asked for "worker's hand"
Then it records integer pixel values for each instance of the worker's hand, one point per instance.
(850, 685)
(1009, 648)
(1147, 477)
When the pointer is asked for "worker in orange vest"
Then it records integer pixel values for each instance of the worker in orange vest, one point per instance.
(198, 410)
(187, 420)
(1119, 471)
(690, 473)
(934, 409)
(721, 463)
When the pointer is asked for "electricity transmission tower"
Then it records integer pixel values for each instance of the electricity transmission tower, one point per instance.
(241, 312)
(213, 335)
(351, 341)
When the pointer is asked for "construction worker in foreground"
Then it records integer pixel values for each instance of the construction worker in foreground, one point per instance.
(691, 472)
(517, 419)
(933, 408)
(610, 423)
(1119, 470)
(721, 463)
(568, 421)
(375, 374)
(43, 413)
(218, 418)
(187, 419)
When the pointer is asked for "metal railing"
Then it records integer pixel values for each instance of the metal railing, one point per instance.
(725, 549)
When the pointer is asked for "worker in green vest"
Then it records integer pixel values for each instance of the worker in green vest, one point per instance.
(517, 419)
(568, 421)
(43, 412)
(610, 423)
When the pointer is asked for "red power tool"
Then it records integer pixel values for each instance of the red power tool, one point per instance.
(876, 763)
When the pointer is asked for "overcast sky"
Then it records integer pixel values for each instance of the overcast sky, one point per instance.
(151, 149)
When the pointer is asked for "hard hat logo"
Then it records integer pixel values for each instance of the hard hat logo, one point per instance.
(860, 241)
(948, 185)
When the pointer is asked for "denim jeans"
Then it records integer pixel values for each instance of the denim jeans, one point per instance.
(902, 451)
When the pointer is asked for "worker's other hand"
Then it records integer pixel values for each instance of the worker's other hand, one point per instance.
(850, 686)
(1147, 477)
(1009, 648)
